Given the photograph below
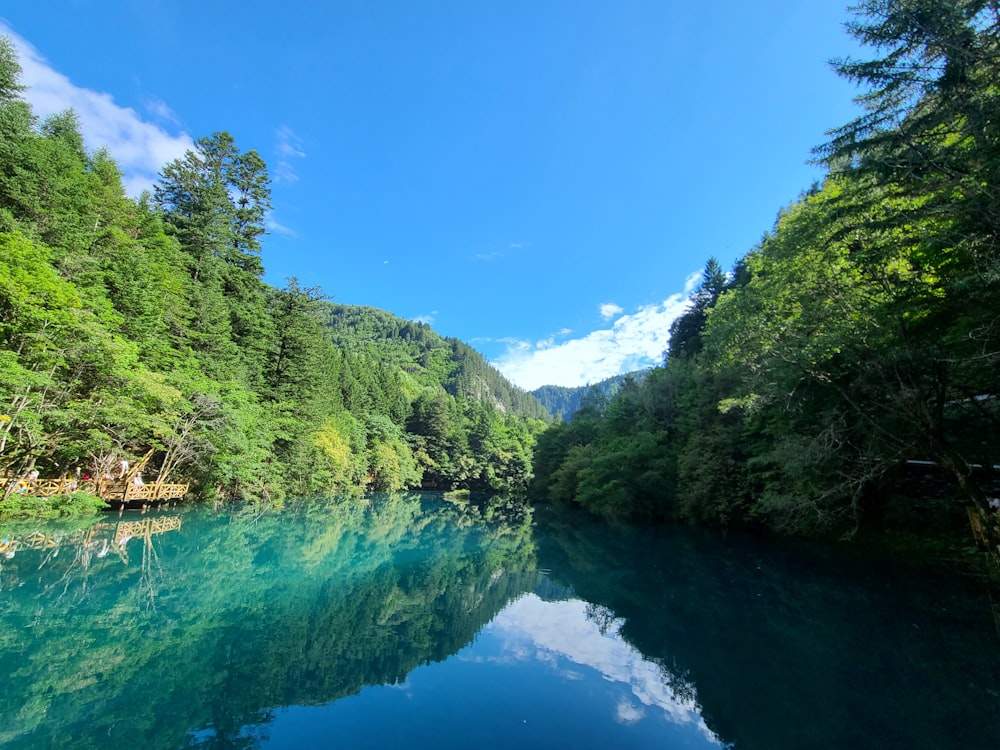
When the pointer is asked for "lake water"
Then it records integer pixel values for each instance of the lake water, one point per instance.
(411, 621)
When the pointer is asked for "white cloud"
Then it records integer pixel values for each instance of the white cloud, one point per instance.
(691, 282)
(428, 319)
(633, 342)
(140, 148)
(289, 147)
(289, 144)
(629, 713)
(610, 310)
(160, 110)
(275, 228)
(283, 172)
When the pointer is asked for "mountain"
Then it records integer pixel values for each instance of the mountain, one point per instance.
(428, 358)
(561, 401)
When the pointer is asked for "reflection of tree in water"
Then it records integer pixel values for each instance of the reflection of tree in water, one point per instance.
(75, 549)
(674, 677)
(603, 618)
(150, 572)
(255, 609)
(785, 646)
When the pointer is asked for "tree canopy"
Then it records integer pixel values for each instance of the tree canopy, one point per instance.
(862, 333)
(129, 326)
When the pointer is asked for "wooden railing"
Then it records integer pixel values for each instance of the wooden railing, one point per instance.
(109, 490)
(116, 533)
(146, 527)
(152, 491)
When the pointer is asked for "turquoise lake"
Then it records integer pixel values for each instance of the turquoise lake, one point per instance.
(412, 621)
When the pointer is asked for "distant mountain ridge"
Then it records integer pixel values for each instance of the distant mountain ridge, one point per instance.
(562, 401)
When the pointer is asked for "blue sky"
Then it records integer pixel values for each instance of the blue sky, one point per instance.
(541, 179)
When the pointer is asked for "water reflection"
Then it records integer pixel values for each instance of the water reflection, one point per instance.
(411, 621)
(85, 542)
(790, 646)
(236, 613)
(542, 674)
(573, 634)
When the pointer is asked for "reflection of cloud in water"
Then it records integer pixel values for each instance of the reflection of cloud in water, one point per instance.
(629, 713)
(553, 631)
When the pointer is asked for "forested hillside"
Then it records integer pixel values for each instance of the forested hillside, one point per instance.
(135, 327)
(861, 333)
(429, 358)
(563, 401)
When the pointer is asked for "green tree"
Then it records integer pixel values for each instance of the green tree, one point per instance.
(685, 331)
(18, 145)
(214, 200)
(10, 72)
(930, 135)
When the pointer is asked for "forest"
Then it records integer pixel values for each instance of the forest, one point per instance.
(143, 327)
(313, 603)
(842, 376)
(860, 336)
(347, 596)
(564, 401)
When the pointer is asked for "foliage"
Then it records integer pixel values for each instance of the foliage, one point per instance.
(563, 401)
(142, 327)
(861, 333)
(304, 605)
(60, 506)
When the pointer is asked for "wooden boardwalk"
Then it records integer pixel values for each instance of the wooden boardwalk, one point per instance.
(110, 490)
(117, 533)
(94, 542)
